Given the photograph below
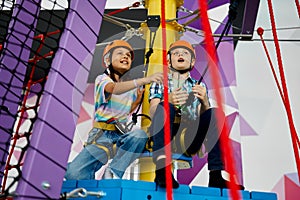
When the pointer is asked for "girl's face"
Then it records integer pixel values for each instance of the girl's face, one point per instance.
(121, 59)
(181, 59)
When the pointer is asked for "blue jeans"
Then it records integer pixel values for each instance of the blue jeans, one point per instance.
(203, 130)
(92, 158)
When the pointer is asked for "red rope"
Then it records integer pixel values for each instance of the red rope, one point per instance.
(295, 139)
(23, 108)
(22, 112)
(298, 7)
(136, 4)
(260, 32)
(213, 64)
(166, 104)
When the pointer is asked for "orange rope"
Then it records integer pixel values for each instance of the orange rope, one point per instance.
(295, 139)
(213, 64)
(167, 131)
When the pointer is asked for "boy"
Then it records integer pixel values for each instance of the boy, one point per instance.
(190, 111)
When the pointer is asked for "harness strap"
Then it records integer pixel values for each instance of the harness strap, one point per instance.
(181, 141)
(110, 153)
(104, 149)
(104, 126)
(177, 120)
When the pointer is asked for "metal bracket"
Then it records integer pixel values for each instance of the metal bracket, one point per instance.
(153, 22)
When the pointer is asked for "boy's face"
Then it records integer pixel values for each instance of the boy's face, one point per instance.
(121, 59)
(181, 59)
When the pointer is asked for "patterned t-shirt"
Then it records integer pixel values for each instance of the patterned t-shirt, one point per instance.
(117, 106)
(191, 109)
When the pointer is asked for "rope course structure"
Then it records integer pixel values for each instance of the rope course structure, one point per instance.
(45, 61)
(23, 80)
(32, 61)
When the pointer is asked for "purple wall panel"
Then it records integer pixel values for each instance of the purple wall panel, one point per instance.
(43, 172)
(73, 62)
(15, 49)
(250, 15)
(226, 58)
(193, 5)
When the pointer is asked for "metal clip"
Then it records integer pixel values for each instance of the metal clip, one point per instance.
(122, 128)
(82, 192)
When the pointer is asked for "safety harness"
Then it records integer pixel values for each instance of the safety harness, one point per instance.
(112, 124)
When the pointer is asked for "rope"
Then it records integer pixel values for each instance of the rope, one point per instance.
(153, 26)
(136, 4)
(21, 114)
(212, 61)
(195, 12)
(260, 32)
(231, 16)
(295, 139)
(113, 21)
(23, 109)
(283, 28)
(167, 130)
(298, 7)
(124, 19)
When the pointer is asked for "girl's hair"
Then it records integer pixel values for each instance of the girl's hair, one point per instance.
(111, 73)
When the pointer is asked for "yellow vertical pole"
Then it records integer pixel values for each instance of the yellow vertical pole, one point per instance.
(156, 60)
(172, 28)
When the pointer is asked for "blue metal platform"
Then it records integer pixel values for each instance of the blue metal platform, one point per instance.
(116, 189)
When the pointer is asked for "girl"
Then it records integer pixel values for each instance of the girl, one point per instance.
(114, 101)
